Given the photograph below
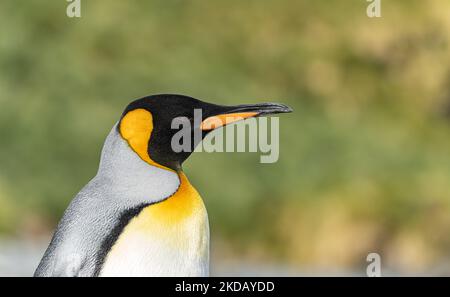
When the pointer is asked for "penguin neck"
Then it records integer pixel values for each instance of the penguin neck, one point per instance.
(142, 182)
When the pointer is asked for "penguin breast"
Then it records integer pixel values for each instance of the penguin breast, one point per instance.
(168, 238)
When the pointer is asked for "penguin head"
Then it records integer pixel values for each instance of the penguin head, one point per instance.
(146, 124)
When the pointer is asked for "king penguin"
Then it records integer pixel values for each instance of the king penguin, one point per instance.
(140, 216)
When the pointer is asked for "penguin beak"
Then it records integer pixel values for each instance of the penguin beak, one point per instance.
(225, 115)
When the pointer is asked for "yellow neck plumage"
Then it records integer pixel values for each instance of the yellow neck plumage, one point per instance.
(136, 128)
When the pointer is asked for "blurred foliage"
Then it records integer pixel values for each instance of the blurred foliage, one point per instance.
(365, 158)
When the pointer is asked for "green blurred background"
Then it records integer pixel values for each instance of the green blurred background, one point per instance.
(364, 159)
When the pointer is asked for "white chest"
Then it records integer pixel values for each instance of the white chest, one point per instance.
(170, 238)
(183, 252)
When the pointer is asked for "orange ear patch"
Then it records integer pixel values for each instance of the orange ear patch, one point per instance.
(136, 128)
(220, 120)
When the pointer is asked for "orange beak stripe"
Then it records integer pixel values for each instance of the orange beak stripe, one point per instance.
(220, 120)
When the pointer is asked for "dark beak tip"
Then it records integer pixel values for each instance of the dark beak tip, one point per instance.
(287, 109)
(261, 109)
(279, 108)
